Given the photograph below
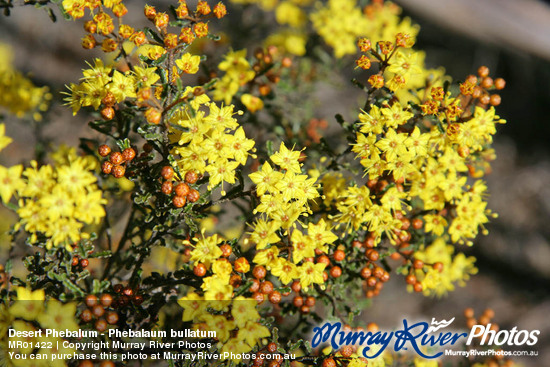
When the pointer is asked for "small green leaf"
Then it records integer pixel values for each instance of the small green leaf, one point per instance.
(154, 35)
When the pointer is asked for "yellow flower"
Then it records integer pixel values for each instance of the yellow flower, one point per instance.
(284, 270)
(339, 23)
(206, 250)
(221, 171)
(435, 223)
(219, 324)
(188, 63)
(320, 234)
(146, 77)
(289, 40)
(302, 245)
(18, 95)
(28, 342)
(122, 86)
(253, 332)
(58, 316)
(221, 117)
(417, 143)
(287, 159)
(266, 257)
(311, 273)
(288, 13)
(240, 146)
(235, 347)
(395, 115)
(291, 185)
(373, 121)
(252, 103)
(153, 52)
(244, 310)
(193, 306)
(4, 140)
(393, 145)
(264, 233)
(266, 179)
(10, 181)
(29, 304)
(222, 269)
(405, 64)
(392, 199)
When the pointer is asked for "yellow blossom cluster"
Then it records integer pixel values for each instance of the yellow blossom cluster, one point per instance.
(212, 143)
(236, 322)
(384, 22)
(340, 22)
(423, 150)
(284, 193)
(422, 159)
(238, 72)
(456, 268)
(77, 8)
(235, 319)
(26, 312)
(54, 202)
(18, 94)
(101, 79)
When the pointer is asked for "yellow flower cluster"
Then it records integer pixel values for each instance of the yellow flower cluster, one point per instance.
(284, 194)
(100, 79)
(29, 309)
(238, 72)
(237, 326)
(432, 160)
(384, 22)
(340, 22)
(54, 202)
(419, 79)
(423, 165)
(76, 8)
(18, 94)
(212, 143)
(456, 268)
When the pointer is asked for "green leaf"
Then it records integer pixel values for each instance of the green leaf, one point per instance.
(150, 135)
(269, 148)
(275, 334)
(51, 14)
(159, 61)
(67, 283)
(65, 15)
(213, 37)
(101, 254)
(123, 144)
(83, 275)
(154, 35)
(307, 346)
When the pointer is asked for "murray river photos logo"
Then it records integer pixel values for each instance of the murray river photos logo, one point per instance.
(417, 337)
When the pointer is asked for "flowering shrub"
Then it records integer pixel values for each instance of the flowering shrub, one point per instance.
(237, 200)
